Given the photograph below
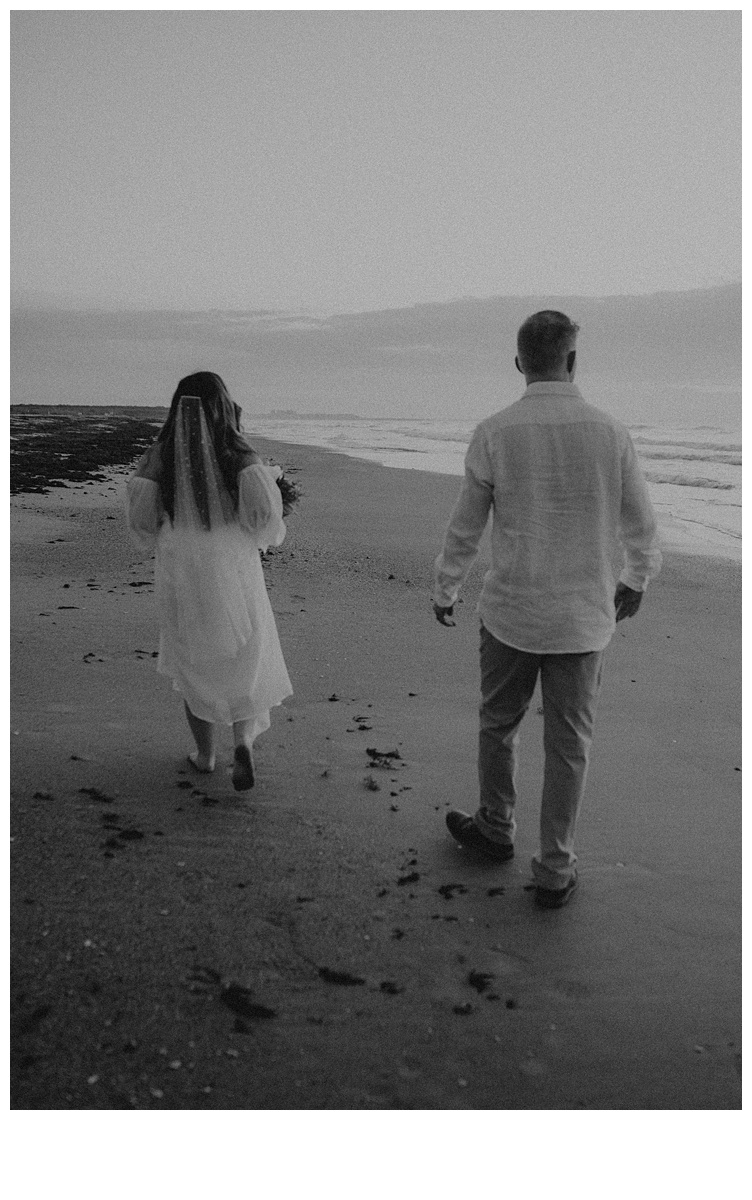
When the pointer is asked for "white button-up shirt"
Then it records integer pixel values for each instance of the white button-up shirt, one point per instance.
(570, 510)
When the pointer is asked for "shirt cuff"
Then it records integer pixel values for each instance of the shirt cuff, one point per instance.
(443, 598)
(636, 582)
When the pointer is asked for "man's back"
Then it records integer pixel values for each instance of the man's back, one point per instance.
(565, 488)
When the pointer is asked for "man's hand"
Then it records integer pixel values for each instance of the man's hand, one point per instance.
(443, 614)
(626, 601)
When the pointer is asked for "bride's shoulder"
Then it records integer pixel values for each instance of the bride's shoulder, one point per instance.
(248, 458)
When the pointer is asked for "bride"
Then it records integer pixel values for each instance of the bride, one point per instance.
(203, 499)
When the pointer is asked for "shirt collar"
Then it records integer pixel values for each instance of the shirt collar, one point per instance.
(553, 387)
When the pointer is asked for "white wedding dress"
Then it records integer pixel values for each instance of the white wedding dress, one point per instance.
(218, 640)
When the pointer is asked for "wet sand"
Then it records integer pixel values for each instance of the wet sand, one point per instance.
(320, 942)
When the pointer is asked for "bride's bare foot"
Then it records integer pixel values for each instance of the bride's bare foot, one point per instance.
(204, 766)
(242, 769)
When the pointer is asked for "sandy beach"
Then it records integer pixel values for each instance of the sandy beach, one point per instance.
(321, 942)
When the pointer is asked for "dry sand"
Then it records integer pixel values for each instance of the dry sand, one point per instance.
(173, 940)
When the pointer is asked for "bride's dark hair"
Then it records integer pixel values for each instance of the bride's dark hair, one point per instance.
(230, 447)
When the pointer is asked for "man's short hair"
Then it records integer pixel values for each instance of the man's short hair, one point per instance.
(544, 340)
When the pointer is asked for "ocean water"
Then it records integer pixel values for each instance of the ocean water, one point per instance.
(694, 474)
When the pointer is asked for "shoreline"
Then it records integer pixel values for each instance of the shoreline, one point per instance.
(80, 445)
(142, 894)
(679, 545)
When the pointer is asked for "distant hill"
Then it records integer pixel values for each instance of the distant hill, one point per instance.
(292, 414)
(667, 357)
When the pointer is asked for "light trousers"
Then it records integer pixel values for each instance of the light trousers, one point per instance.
(570, 684)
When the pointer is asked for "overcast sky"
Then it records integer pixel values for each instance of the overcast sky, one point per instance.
(337, 162)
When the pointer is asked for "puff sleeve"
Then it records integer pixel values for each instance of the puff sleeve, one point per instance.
(260, 505)
(144, 512)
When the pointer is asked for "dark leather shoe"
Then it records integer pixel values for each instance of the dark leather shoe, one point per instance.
(550, 898)
(464, 830)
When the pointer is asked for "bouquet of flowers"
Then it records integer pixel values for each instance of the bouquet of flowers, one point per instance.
(289, 488)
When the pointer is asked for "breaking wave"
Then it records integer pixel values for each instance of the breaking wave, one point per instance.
(687, 481)
(731, 459)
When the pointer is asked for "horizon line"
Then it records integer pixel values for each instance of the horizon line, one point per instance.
(20, 303)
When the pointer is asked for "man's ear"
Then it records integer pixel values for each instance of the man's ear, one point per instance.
(570, 361)
(517, 364)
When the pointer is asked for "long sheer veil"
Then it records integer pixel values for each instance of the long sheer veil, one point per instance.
(202, 501)
(211, 613)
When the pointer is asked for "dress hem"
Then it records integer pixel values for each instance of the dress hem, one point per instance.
(202, 710)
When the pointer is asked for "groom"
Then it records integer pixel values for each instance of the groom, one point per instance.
(562, 481)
